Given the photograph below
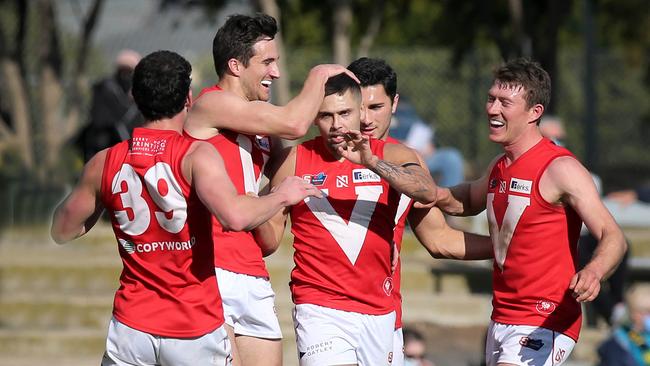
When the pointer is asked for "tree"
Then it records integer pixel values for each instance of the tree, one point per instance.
(43, 111)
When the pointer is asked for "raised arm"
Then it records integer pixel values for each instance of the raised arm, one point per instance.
(79, 212)
(226, 110)
(400, 167)
(204, 167)
(567, 181)
(442, 241)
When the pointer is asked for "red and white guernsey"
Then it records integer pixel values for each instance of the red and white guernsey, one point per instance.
(535, 246)
(244, 157)
(342, 242)
(405, 204)
(167, 286)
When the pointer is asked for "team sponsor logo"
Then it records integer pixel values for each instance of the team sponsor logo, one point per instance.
(156, 246)
(560, 355)
(127, 245)
(531, 343)
(263, 143)
(388, 286)
(341, 181)
(364, 176)
(521, 185)
(545, 307)
(317, 348)
(317, 180)
(502, 187)
(493, 183)
(147, 146)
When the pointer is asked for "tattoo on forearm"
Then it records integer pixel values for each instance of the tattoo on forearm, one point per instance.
(408, 181)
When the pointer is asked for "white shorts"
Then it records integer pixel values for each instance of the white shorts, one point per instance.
(398, 347)
(526, 345)
(128, 346)
(327, 336)
(248, 304)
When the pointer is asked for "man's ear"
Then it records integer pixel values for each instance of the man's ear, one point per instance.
(395, 102)
(188, 99)
(235, 66)
(536, 112)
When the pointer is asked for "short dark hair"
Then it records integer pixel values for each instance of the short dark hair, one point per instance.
(528, 74)
(373, 71)
(236, 38)
(161, 83)
(339, 84)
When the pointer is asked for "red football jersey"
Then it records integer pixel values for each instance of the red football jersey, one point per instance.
(342, 242)
(535, 246)
(405, 204)
(167, 286)
(244, 157)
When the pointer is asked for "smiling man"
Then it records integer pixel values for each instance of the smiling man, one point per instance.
(237, 119)
(536, 194)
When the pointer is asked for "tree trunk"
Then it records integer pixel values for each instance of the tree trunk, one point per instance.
(50, 89)
(342, 21)
(19, 112)
(520, 37)
(368, 38)
(80, 82)
(281, 90)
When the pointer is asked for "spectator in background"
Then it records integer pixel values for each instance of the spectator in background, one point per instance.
(446, 164)
(552, 128)
(113, 113)
(630, 196)
(629, 344)
(415, 349)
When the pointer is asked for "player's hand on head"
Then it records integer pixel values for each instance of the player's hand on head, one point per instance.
(296, 189)
(585, 285)
(329, 70)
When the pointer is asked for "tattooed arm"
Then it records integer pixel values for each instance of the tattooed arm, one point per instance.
(401, 167)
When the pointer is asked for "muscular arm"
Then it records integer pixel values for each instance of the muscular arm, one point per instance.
(400, 167)
(269, 234)
(205, 169)
(79, 212)
(442, 241)
(467, 198)
(226, 110)
(567, 181)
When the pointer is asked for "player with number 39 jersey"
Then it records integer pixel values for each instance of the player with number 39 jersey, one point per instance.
(156, 247)
(161, 190)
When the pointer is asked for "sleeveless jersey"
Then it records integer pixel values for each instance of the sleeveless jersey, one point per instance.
(405, 204)
(342, 242)
(535, 246)
(244, 157)
(167, 286)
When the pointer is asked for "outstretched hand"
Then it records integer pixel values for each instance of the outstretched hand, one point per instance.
(357, 148)
(296, 189)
